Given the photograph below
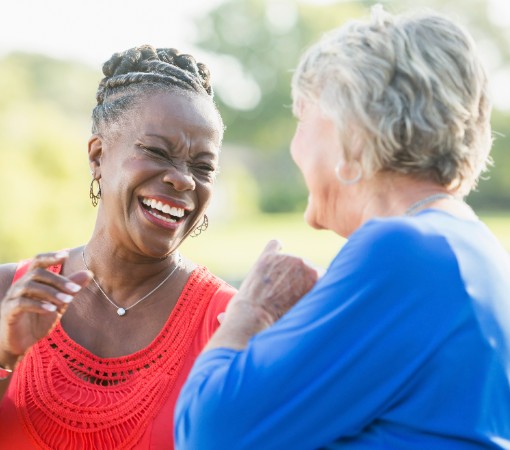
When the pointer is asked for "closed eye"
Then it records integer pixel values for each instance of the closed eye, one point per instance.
(154, 151)
(203, 169)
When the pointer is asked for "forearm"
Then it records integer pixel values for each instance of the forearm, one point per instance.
(7, 361)
(241, 322)
(274, 284)
(4, 385)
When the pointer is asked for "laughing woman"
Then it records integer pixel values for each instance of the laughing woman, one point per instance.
(96, 341)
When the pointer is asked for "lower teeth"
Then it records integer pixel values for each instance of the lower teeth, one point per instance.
(165, 219)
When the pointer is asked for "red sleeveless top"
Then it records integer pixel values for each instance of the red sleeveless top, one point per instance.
(62, 397)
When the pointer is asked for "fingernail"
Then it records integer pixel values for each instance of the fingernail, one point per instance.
(66, 298)
(220, 317)
(73, 287)
(62, 254)
(49, 306)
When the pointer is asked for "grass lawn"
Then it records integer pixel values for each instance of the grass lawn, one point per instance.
(229, 249)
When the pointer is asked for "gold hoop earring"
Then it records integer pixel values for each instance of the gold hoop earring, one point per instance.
(95, 197)
(200, 228)
(349, 181)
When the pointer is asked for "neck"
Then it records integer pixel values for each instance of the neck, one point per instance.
(393, 195)
(425, 201)
(390, 194)
(124, 275)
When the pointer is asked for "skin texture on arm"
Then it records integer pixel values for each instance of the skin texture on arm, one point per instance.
(275, 283)
(31, 307)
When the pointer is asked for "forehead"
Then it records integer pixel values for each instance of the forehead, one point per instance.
(170, 111)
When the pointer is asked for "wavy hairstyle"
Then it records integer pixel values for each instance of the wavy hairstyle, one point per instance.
(407, 93)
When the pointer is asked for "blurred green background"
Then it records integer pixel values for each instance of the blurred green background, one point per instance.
(251, 47)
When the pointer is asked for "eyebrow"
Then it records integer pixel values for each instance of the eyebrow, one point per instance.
(158, 136)
(170, 145)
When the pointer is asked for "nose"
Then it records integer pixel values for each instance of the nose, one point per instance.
(180, 178)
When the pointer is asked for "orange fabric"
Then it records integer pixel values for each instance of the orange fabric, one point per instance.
(64, 397)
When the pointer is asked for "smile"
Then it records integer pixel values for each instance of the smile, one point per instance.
(163, 211)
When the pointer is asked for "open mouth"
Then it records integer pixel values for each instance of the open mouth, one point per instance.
(163, 211)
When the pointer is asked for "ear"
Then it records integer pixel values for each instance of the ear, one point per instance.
(95, 147)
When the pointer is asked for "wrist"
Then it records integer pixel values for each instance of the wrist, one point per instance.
(9, 361)
(4, 374)
(253, 317)
(242, 321)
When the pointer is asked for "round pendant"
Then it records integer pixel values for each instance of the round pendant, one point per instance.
(121, 311)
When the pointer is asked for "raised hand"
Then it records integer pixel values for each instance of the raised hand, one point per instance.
(33, 305)
(275, 283)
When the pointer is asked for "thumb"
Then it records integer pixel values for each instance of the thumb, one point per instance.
(83, 277)
(273, 246)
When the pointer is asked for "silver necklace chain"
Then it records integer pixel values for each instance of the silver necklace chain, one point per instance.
(121, 311)
(424, 201)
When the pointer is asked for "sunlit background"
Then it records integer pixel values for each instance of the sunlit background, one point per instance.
(51, 53)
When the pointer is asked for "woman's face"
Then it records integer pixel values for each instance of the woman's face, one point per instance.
(157, 170)
(315, 149)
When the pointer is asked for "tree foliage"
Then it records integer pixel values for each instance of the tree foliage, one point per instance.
(44, 123)
(265, 39)
(46, 103)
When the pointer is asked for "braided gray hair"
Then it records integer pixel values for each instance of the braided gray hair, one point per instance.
(145, 69)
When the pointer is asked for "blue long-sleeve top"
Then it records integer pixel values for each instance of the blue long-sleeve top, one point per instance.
(403, 344)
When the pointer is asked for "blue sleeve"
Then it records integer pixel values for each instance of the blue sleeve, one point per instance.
(337, 360)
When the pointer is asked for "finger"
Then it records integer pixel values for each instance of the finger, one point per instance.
(52, 288)
(82, 278)
(24, 305)
(273, 246)
(220, 317)
(40, 277)
(42, 293)
(318, 269)
(45, 260)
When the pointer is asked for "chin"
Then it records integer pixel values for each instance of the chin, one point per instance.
(311, 220)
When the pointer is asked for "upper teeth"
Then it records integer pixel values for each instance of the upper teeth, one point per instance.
(163, 207)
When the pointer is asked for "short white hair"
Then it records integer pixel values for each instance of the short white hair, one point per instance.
(408, 93)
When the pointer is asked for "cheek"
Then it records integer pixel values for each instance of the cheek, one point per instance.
(297, 145)
(313, 216)
(204, 192)
(293, 151)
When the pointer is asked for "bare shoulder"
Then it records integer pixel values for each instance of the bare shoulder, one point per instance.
(7, 272)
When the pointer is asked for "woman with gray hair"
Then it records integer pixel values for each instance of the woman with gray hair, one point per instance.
(404, 343)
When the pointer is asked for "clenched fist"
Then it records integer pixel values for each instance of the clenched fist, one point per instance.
(275, 283)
